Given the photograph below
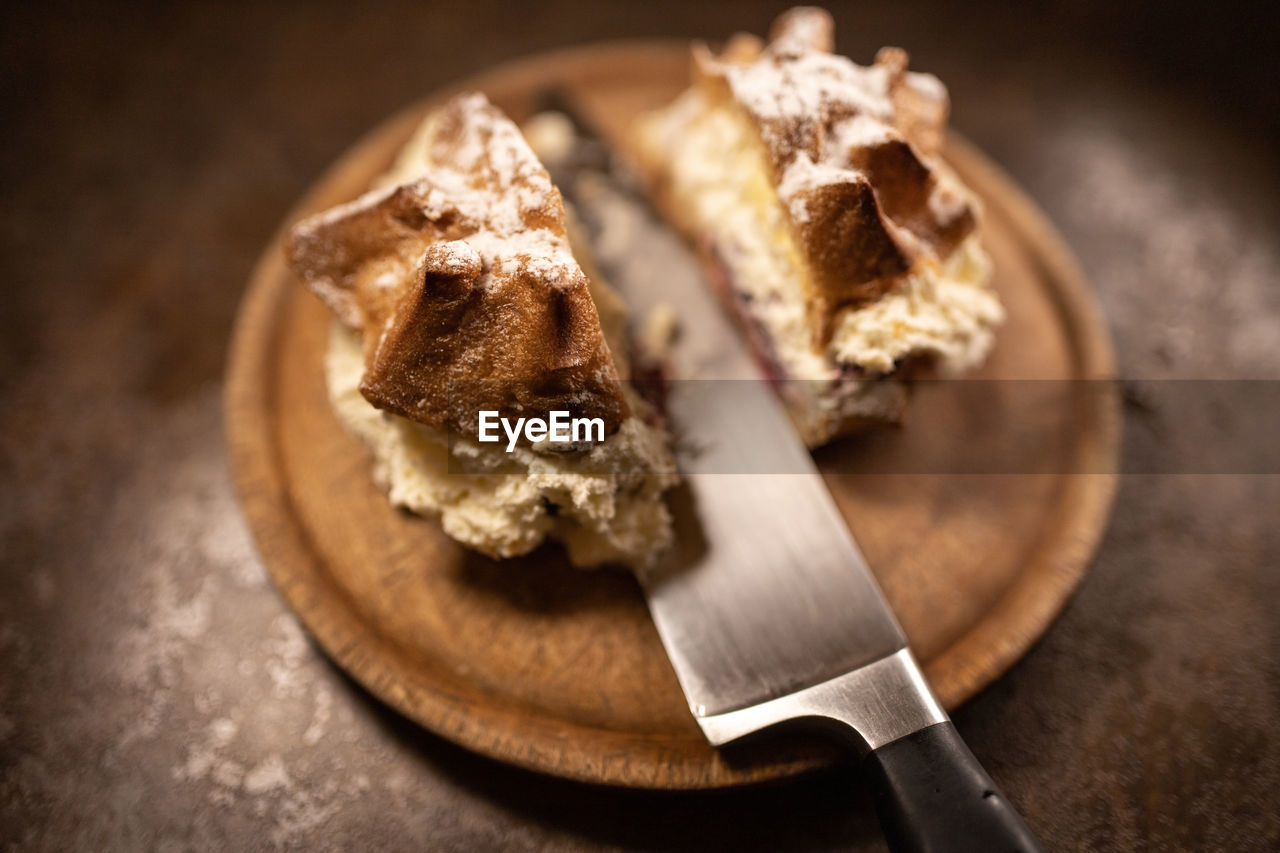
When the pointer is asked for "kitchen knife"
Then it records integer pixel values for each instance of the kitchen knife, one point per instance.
(778, 617)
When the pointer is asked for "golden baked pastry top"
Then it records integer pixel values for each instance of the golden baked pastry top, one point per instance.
(852, 151)
(462, 282)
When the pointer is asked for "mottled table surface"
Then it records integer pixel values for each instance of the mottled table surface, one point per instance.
(155, 693)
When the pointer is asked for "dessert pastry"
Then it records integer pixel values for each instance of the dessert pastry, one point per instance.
(455, 290)
(815, 190)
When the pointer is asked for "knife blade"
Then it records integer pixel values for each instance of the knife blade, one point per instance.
(778, 617)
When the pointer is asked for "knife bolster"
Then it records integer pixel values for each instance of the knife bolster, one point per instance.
(879, 702)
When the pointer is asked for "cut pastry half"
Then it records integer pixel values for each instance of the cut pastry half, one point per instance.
(815, 191)
(455, 291)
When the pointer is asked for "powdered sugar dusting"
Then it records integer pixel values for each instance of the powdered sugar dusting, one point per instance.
(455, 256)
(797, 83)
(802, 177)
(860, 131)
(816, 110)
(476, 167)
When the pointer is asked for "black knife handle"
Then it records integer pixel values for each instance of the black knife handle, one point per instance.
(932, 795)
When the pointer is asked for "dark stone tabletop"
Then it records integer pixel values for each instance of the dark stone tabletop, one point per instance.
(155, 692)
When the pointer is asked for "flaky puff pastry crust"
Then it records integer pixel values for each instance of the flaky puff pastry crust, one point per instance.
(460, 278)
(852, 154)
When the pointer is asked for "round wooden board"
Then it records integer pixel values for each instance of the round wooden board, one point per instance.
(535, 663)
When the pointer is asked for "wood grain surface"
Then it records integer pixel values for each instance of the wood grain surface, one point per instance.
(543, 666)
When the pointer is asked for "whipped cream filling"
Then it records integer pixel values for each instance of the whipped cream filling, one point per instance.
(717, 174)
(945, 310)
(604, 504)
